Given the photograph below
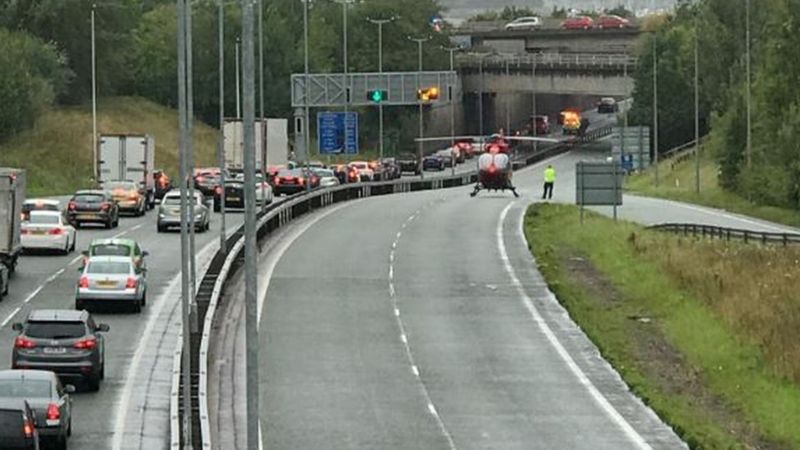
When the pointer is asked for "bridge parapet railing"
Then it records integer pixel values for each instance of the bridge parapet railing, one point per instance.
(546, 59)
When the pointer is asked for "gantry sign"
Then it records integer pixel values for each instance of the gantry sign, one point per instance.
(369, 89)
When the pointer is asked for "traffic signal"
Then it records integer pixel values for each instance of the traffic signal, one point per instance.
(428, 94)
(377, 96)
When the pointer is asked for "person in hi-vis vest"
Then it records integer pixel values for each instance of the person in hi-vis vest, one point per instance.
(549, 180)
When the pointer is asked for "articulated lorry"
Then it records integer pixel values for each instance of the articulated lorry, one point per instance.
(271, 143)
(12, 195)
(131, 157)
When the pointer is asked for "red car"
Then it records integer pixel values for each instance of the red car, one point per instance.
(578, 23)
(612, 22)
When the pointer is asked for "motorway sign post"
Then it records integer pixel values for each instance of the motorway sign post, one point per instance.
(598, 184)
(337, 132)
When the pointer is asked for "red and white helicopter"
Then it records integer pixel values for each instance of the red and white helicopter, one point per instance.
(495, 168)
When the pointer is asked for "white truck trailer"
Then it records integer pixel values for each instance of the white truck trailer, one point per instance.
(274, 149)
(12, 195)
(131, 157)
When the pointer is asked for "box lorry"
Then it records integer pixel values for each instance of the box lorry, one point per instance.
(122, 157)
(12, 195)
(271, 141)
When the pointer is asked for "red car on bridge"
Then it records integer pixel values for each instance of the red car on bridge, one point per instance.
(612, 22)
(578, 23)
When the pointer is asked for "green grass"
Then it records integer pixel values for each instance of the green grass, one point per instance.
(677, 182)
(57, 151)
(724, 392)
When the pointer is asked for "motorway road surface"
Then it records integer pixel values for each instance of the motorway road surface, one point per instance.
(419, 321)
(131, 410)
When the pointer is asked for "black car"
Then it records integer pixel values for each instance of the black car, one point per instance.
(93, 206)
(408, 163)
(47, 398)
(67, 342)
(234, 195)
(607, 105)
(433, 162)
(17, 425)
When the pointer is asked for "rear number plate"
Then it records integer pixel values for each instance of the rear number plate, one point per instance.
(233, 199)
(55, 350)
(107, 284)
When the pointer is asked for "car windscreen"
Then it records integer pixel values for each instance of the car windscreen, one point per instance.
(89, 198)
(290, 173)
(109, 267)
(110, 250)
(39, 207)
(360, 165)
(323, 172)
(10, 423)
(43, 219)
(25, 388)
(172, 200)
(55, 330)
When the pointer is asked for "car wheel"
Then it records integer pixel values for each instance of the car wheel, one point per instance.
(66, 247)
(74, 241)
(137, 306)
(61, 443)
(102, 374)
(110, 224)
(144, 299)
(69, 427)
(93, 382)
(116, 221)
(79, 305)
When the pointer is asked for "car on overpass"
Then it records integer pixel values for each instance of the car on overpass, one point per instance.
(524, 23)
(408, 163)
(612, 21)
(607, 105)
(578, 23)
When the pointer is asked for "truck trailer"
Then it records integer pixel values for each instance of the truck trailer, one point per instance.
(12, 195)
(128, 157)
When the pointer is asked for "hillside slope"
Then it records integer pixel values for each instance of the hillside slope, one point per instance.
(57, 151)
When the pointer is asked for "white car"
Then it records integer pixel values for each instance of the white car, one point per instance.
(525, 23)
(326, 177)
(48, 230)
(264, 194)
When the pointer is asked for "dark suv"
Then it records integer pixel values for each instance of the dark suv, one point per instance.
(93, 207)
(17, 425)
(66, 342)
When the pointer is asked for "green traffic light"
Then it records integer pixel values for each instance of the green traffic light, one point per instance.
(376, 96)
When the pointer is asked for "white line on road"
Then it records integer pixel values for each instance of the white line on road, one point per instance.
(414, 368)
(610, 411)
(10, 316)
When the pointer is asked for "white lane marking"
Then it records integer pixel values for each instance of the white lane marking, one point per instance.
(409, 356)
(121, 413)
(11, 316)
(604, 404)
(399, 234)
(34, 293)
(55, 275)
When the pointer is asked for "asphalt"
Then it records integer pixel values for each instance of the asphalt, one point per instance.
(131, 410)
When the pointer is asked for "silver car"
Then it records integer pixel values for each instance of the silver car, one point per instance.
(326, 177)
(112, 280)
(169, 213)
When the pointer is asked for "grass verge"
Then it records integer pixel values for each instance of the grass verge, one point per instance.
(704, 332)
(677, 182)
(57, 151)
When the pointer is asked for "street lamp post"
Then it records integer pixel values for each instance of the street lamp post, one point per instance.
(380, 23)
(655, 104)
(345, 80)
(238, 88)
(450, 93)
(261, 125)
(749, 149)
(221, 137)
(94, 101)
(534, 59)
(696, 105)
(306, 126)
(419, 42)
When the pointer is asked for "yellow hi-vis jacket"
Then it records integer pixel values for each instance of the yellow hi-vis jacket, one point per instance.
(549, 175)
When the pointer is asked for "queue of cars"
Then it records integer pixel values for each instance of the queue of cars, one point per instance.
(578, 22)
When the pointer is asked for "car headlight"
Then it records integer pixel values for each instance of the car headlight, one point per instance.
(161, 215)
(198, 216)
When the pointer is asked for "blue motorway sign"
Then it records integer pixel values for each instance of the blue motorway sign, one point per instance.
(337, 132)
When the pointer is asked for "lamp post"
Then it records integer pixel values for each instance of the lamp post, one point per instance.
(419, 42)
(238, 88)
(534, 61)
(452, 51)
(345, 81)
(261, 125)
(749, 149)
(306, 125)
(380, 23)
(221, 137)
(94, 101)
(696, 103)
(655, 103)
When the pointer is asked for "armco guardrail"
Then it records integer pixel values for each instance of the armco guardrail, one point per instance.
(728, 234)
(274, 217)
(547, 59)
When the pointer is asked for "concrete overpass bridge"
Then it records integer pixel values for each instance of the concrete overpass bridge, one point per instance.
(613, 41)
